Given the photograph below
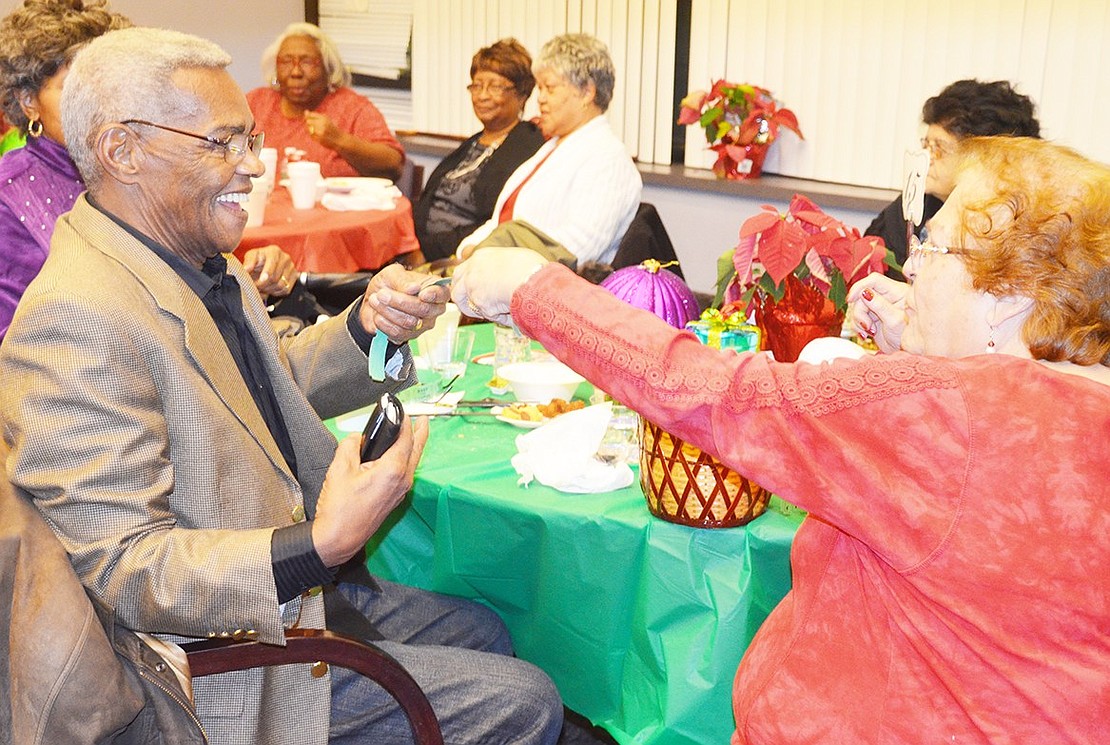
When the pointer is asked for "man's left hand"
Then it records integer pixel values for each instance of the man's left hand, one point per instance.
(272, 270)
(397, 303)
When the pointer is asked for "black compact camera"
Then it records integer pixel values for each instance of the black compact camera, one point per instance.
(382, 428)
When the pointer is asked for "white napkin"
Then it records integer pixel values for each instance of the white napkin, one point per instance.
(371, 197)
(560, 454)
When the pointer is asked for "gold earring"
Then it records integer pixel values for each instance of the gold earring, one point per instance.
(34, 127)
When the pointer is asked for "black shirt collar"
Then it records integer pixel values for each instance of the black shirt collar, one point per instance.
(200, 281)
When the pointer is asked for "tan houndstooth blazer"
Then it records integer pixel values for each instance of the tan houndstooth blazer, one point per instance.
(131, 426)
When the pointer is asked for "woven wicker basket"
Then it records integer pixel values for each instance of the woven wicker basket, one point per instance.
(686, 485)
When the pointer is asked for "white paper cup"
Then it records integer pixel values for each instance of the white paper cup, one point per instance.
(256, 202)
(304, 175)
(269, 158)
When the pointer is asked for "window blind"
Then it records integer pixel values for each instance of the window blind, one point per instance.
(856, 72)
(372, 35)
(639, 34)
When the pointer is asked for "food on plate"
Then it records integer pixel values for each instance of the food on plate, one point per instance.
(558, 406)
(523, 412)
(540, 412)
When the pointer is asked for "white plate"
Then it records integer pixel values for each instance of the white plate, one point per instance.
(484, 359)
(519, 423)
(347, 184)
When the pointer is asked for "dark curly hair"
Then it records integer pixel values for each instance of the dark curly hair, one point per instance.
(509, 59)
(972, 108)
(42, 36)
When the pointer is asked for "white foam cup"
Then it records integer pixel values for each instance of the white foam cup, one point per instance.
(304, 175)
(256, 202)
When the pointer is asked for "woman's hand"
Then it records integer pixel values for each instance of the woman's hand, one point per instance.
(322, 129)
(877, 307)
(401, 303)
(357, 497)
(272, 270)
(368, 158)
(484, 284)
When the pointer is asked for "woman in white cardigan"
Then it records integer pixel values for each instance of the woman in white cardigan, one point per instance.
(581, 188)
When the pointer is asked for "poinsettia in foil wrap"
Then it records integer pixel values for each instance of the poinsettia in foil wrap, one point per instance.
(740, 122)
(794, 270)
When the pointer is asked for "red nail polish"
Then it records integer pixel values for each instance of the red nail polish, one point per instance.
(868, 294)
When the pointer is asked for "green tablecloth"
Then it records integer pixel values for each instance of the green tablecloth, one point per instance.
(641, 623)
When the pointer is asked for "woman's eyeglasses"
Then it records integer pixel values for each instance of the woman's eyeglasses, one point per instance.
(497, 90)
(919, 248)
(936, 148)
(305, 63)
(235, 146)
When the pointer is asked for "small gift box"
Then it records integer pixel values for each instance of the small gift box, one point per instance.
(725, 331)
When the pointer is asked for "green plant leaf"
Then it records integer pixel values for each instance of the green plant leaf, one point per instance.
(892, 261)
(725, 273)
(838, 292)
(710, 116)
(775, 291)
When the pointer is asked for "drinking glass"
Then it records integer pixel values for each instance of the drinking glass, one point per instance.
(452, 360)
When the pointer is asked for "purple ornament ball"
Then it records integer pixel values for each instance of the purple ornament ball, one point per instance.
(651, 287)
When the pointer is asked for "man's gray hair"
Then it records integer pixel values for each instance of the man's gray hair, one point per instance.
(581, 59)
(127, 74)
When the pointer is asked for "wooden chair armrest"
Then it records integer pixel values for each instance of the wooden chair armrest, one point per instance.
(214, 656)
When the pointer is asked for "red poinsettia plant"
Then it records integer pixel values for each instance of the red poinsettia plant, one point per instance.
(735, 117)
(803, 248)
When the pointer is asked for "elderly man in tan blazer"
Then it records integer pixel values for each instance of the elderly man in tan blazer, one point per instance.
(175, 445)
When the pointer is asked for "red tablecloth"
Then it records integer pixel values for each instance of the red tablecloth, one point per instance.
(323, 241)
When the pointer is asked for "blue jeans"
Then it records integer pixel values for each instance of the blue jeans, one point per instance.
(461, 655)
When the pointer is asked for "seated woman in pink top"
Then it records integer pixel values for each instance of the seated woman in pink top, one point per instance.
(311, 107)
(952, 580)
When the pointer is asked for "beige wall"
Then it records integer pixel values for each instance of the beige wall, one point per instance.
(243, 27)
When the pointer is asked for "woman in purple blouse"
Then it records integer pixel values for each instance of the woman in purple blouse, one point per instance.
(39, 182)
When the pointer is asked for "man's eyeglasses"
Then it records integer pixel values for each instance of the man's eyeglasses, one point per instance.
(497, 90)
(235, 146)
